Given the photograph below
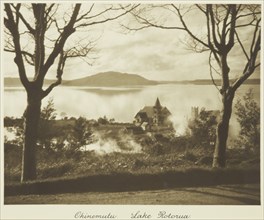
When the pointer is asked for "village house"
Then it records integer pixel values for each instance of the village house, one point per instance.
(153, 117)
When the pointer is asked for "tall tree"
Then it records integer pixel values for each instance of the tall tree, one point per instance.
(228, 28)
(37, 35)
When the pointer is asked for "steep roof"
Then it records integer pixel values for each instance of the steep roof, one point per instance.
(165, 111)
(148, 110)
(143, 115)
(157, 104)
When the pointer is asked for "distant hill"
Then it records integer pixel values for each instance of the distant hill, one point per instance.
(15, 82)
(209, 82)
(111, 79)
(218, 81)
(12, 82)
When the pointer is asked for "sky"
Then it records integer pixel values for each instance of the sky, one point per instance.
(153, 53)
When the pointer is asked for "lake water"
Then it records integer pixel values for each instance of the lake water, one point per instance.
(122, 104)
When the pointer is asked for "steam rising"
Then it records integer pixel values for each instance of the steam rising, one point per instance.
(121, 144)
(179, 125)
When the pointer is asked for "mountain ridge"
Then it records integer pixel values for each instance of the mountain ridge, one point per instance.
(111, 79)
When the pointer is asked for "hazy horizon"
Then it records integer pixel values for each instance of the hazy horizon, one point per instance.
(84, 76)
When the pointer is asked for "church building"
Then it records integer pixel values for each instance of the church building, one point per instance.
(153, 117)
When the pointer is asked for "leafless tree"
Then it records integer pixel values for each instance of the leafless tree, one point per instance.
(227, 28)
(38, 35)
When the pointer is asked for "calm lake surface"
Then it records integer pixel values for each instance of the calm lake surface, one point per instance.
(122, 104)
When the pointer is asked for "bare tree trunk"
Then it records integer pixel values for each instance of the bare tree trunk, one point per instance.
(222, 131)
(32, 116)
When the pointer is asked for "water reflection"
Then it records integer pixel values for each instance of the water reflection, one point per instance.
(123, 103)
(110, 91)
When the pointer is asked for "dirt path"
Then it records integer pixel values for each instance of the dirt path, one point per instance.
(248, 194)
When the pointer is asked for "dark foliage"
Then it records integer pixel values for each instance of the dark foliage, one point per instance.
(203, 128)
(119, 182)
(248, 116)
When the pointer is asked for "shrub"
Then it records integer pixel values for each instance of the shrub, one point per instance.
(203, 127)
(103, 120)
(248, 116)
(155, 149)
(56, 170)
(190, 156)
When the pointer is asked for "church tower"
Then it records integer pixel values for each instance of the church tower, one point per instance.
(157, 104)
(157, 113)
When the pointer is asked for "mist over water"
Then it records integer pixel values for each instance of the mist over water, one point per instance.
(122, 103)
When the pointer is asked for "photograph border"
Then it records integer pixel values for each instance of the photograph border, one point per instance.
(216, 212)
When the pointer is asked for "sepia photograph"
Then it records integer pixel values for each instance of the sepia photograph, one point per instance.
(153, 105)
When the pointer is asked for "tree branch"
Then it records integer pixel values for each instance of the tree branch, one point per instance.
(211, 72)
(26, 55)
(250, 65)
(241, 45)
(13, 28)
(187, 29)
(60, 69)
(231, 41)
(28, 26)
(84, 15)
(147, 23)
(247, 24)
(50, 88)
(201, 9)
(41, 28)
(224, 26)
(254, 36)
(211, 18)
(48, 10)
(107, 19)
(58, 47)
(211, 46)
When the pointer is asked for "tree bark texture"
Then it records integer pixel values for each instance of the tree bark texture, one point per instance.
(32, 116)
(227, 93)
(219, 160)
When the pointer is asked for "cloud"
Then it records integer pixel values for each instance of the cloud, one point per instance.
(153, 53)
